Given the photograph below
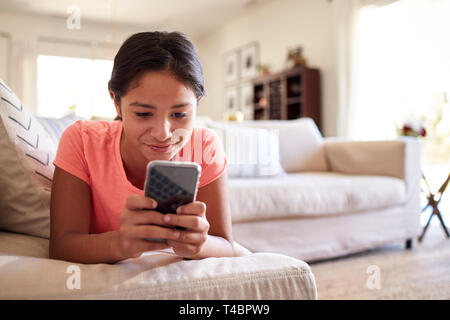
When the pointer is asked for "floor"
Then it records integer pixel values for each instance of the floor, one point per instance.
(389, 272)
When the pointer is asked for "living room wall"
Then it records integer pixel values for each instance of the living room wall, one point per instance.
(276, 26)
(27, 36)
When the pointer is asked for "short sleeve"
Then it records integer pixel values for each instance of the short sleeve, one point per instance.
(70, 155)
(214, 159)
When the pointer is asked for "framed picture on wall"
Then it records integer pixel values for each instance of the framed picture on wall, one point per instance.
(249, 59)
(231, 99)
(246, 98)
(232, 66)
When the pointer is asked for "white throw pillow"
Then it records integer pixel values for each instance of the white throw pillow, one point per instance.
(251, 152)
(301, 143)
(26, 168)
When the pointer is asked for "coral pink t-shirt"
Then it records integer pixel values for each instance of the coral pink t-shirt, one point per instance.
(90, 150)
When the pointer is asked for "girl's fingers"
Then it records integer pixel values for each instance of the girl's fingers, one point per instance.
(148, 217)
(197, 208)
(190, 222)
(155, 232)
(137, 202)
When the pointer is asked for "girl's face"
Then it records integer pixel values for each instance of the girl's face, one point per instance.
(157, 116)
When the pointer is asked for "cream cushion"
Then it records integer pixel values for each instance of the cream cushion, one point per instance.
(154, 275)
(26, 164)
(383, 158)
(312, 194)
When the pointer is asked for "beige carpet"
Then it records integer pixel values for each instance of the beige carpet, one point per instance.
(420, 273)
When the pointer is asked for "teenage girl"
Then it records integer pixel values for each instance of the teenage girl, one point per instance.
(99, 213)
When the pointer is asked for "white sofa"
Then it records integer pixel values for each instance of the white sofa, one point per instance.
(334, 196)
(28, 145)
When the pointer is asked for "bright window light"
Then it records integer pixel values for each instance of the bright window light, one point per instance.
(68, 84)
(402, 71)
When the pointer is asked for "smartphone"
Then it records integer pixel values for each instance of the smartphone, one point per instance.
(171, 184)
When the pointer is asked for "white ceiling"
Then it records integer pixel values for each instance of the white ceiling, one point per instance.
(194, 17)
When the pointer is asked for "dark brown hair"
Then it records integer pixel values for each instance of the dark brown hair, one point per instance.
(156, 51)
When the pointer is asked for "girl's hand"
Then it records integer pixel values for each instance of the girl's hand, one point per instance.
(191, 216)
(139, 222)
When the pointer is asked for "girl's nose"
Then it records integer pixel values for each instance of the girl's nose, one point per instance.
(161, 131)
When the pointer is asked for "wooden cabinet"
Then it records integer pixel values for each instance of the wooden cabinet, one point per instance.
(286, 95)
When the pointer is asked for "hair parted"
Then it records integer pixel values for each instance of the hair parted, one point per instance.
(156, 51)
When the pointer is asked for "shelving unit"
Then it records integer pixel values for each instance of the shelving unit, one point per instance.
(286, 95)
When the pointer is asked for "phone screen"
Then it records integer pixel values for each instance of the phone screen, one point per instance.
(171, 185)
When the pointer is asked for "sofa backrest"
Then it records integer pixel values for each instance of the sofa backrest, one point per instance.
(301, 144)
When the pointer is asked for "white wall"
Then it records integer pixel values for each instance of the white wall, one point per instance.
(276, 25)
(4, 56)
(32, 35)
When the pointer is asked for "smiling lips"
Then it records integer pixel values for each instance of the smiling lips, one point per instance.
(160, 148)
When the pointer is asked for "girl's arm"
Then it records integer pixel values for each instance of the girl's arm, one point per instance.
(69, 224)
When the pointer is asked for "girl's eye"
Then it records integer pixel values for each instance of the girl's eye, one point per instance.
(143, 114)
(179, 115)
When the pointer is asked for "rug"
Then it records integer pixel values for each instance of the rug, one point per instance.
(389, 272)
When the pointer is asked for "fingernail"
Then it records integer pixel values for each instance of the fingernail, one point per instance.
(176, 234)
(179, 210)
(166, 218)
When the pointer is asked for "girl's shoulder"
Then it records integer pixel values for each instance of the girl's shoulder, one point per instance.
(96, 127)
(93, 131)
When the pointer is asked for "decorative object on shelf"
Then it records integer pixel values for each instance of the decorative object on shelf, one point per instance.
(412, 128)
(234, 116)
(249, 60)
(295, 57)
(263, 68)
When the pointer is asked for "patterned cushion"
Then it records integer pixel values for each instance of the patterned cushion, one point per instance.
(251, 152)
(26, 168)
(56, 126)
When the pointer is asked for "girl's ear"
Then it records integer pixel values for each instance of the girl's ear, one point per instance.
(116, 104)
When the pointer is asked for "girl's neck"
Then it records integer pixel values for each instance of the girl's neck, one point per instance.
(134, 168)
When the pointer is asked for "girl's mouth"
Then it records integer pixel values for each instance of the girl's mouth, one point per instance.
(161, 148)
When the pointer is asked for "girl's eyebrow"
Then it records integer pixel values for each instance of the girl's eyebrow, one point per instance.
(145, 105)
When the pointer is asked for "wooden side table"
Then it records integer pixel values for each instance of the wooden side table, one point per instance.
(433, 201)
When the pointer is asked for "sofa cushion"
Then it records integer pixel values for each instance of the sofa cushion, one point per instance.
(385, 158)
(26, 168)
(312, 195)
(56, 126)
(301, 144)
(154, 275)
(251, 152)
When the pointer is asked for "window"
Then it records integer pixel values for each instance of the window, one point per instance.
(67, 84)
(402, 68)
(403, 71)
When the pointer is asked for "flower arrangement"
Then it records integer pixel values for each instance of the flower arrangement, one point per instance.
(412, 128)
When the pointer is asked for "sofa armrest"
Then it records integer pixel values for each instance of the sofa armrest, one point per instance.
(399, 158)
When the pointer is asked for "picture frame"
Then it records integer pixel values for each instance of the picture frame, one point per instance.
(232, 66)
(249, 59)
(231, 99)
(246, 100)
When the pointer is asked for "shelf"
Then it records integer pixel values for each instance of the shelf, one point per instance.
(293, 100)
(289, 94)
